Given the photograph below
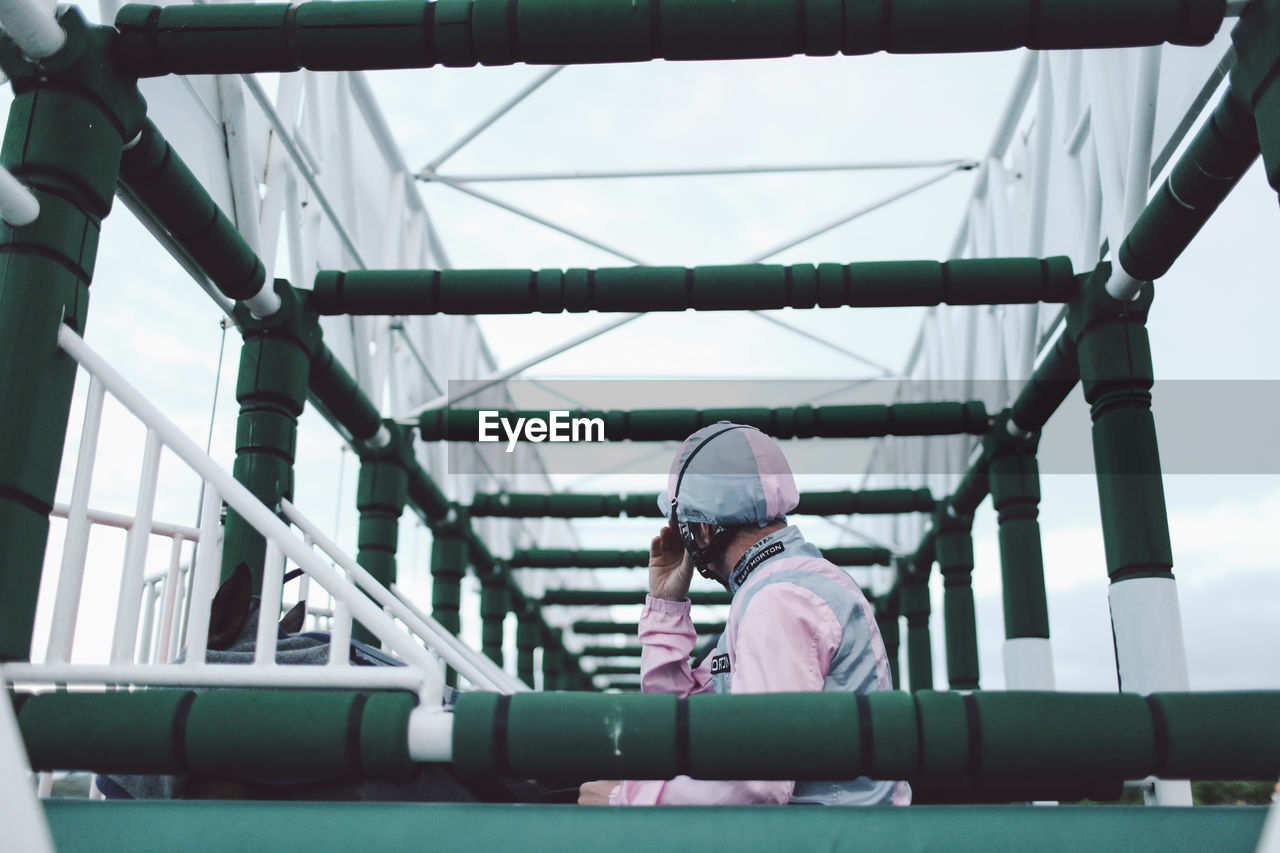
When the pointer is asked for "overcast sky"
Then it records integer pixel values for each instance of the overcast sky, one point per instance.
(1213, 318)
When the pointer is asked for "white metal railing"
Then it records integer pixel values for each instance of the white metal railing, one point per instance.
(418, 641)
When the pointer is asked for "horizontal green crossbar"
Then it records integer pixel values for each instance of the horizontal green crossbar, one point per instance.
(864, 421)
(587, 626)
(616, 670)
(611, 652)
(614, 597)
(238, 38)
(337, 734)
(890, 735)
(564, 505)
(564, 558)
(712, 288)
(161, 827)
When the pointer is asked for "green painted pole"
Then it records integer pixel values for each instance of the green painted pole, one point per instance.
(611, 651)
(954, 546)
(528, 636)
(69, 121)
(538, 505)
(865, 421)
(553, 659)
(494, 606)
(1117, 374)
(590, 626)
(338, 36)
(1014, 477)
(887, 621)
(563, 558)
(611, 598)
(1253, 79)
(381, 494)
(608, 669)
(913, 600)
(158, 178)
(271, 388)
(754, 287)
(448, 565)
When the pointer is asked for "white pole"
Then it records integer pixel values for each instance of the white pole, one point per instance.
(18, 206)
(340, 634)
(135, 554)
(269, 605)
(1028, 664)
(204, 581)
(1137, 181)
(32, 27)
(147, 632)
(75, 548)
(250, 508)
(25, 827)
(171, 583)
(180, 610)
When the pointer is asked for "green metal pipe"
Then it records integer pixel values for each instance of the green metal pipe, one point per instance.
(222, 733)
(1117, 374)
(955, 562)
(865, 421)
(528, 636)
(69, 120)
(913, 599)
(564, 505)
(271, 387)
(1015, 494)
(887, 622)
(563, 558)
(349, 36)
(448, 566)
(587, 626)
(154, 173)
(886, 735)
(610, 598)
(1214, 162)
(616, 670)
(227, 826)
(382, 491)
(1253, 78)
(1050, 383)
(752, 287)
(495, 603)
(340, 399)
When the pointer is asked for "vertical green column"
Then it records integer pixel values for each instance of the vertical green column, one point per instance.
(913, 598)
(1014, 477)
(448, 565)
(495, 603)
(528, 635)
(271, 388)
(553, 659)
(954, 544)
(381, 494)
(1117, 376)
(1255, 77)
(887, 616)
(68, 124)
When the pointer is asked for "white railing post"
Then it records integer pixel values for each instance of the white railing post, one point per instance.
(340, 634)
(204, 581)
(167, 612)
(150, 592)
(25, 827)
(135, 554)
(269, 605)
(75, 547)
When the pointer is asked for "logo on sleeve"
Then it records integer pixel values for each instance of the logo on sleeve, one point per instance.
(720, 664)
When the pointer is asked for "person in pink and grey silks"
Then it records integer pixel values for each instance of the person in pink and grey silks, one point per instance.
(796, 621)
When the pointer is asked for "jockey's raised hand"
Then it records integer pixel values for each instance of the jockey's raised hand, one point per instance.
(670, 568)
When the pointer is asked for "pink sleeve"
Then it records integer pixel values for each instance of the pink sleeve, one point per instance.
(667, 637)
(784, 643)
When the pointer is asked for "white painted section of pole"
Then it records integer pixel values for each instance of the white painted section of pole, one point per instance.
(168, 612)
(44, 785)
(32, 27)
(1151, 655)
(204, 580)
(18, 205)
(340, 634)
(1137, 179)
(25, 827)
(249, 507)
(457, 654)
(75, 547)
(265, 302)
(1028, 664)
(264, 651)
(217, 675)
(430, 734)
(147, 633)
(135, 554)
(1269, 842)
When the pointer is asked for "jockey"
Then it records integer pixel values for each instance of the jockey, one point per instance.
(796, 621)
